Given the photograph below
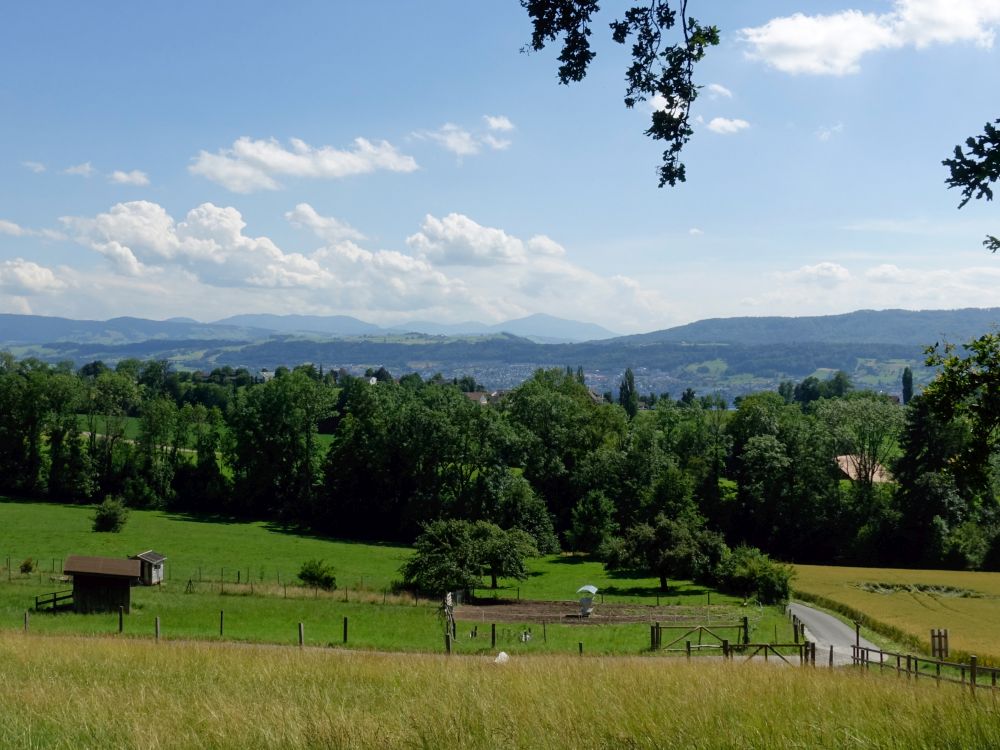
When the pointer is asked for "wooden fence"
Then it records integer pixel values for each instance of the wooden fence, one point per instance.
(972, 674)
(716, 635)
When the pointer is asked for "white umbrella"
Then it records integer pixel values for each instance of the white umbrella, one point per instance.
(588, 588)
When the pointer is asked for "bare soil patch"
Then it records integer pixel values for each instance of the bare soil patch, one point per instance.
(568, 613)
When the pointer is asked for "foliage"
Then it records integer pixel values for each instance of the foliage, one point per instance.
(751, 573)
(316, 572)
(110, 515)
(660, 72)
(975, 169)
(452, 555)
(27, 566)
(628, 398)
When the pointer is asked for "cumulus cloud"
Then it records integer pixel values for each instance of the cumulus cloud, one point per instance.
(465, 142)
(257, 164)
(25, 277)
(834, 44)
(726, 126)
(12, 229)
(35, 166)
(457, 240)
(16, 230)
(135, 177)
(452, 268)
(498, 122)
(825, 274)
(304, 216)
(717, 90)
(80, 170)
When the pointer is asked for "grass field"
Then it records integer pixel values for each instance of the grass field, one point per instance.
(207, 558)
(910, 603)
(73, 693)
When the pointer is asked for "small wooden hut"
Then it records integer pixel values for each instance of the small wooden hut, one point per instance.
(151, 563)
(102, 584)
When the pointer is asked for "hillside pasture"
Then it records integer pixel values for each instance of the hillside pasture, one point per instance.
(907, 604)
(247, 569)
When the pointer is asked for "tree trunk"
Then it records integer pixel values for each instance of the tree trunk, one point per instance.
(493, 580)
(663, 583)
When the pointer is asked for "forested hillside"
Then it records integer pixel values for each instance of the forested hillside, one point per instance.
(632, 480)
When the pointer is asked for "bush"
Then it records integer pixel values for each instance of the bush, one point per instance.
(747, 571)
(318, 573)
(110, 516)
(27, 566)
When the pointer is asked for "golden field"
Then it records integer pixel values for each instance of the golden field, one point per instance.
(973, 620)
(71, 692)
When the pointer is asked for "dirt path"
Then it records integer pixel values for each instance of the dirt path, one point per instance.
(604, 614)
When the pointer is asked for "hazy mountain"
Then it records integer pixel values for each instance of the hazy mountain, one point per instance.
(540, 328)
(919, 327)
(330, 325)
(39, 329)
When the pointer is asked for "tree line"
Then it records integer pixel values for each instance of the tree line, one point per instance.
(653, 484)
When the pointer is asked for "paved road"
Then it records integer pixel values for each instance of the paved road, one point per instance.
(826, 630)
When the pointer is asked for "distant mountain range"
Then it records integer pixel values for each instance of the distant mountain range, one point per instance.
(539, 327)
(730, 356)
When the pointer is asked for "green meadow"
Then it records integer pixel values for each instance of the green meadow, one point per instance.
(247, 570)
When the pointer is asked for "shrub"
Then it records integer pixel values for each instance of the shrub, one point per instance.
(318, 573)
(110, 515)
(27, 566)
(748, 571)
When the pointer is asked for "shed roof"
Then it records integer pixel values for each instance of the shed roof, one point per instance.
(151, 556)
(114, 567)
(848, 464)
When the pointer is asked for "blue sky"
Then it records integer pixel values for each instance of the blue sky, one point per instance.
(399, 161)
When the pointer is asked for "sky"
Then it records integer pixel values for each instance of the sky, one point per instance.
(401, 161)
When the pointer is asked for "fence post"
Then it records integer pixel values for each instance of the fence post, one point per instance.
(545, 638)
(580, 645)
(857, 633)
(652, 637)
(345, 629)
(447, 643)
(687, 647)
(907, 666)
(222, 622)
(746, 629)
(493, 635)
(972, 673)
(831, 656)
(27, 619)
(725, 648)
(121, 618)
(302, 635)
(157, 629)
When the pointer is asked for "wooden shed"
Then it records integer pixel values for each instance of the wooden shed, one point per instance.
(102, 584)
(151, 563)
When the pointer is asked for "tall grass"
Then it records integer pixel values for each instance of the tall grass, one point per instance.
(76, 693)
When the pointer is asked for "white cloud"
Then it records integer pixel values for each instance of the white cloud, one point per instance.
(825, 274)
(726, 126)
(14, 230)
(498, 122)
(35, 166)
(25, 277)
(256, 164)
(81, 170)
(717, 90)
(835, 44)
(463, 142)
(458, 240)
(453, 138)
(827, 132)
(453, 268)
(135, 177)
(695, 232)
(304, 216)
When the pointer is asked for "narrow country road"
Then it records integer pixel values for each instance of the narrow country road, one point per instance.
(826, 630)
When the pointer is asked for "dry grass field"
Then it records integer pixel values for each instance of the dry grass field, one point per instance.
(69, 692)
(913, 602)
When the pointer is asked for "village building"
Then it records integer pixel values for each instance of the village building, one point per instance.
(151, 567)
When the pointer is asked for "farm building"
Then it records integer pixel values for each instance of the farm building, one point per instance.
(151, 564)
(102, 584)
